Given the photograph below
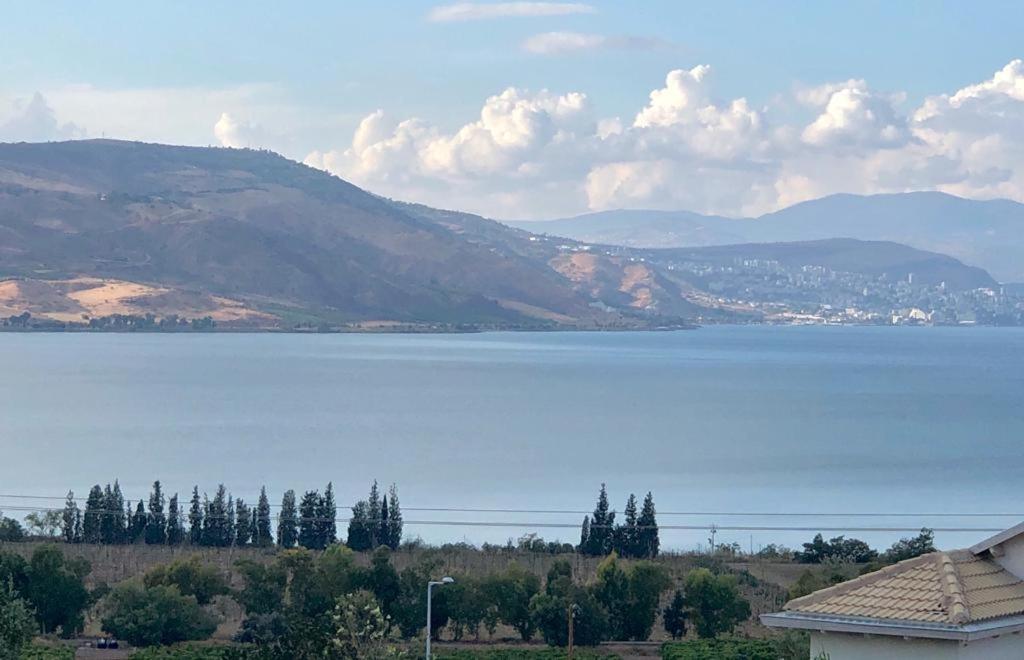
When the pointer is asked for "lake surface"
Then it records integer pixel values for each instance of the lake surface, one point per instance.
(722, 419)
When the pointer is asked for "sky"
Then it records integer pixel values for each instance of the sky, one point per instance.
(531, 110)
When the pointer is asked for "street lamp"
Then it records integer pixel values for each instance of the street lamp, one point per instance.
(430, 585)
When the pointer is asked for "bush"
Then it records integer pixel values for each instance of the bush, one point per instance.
(720, 649)
(41, 652)
(520, 654)
(191, 577)
(154, 616)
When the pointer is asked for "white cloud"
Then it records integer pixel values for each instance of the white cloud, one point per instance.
(560, 43)
(544, 154)
(33, 120)
(231, 132)
(475, 11)
(854, 115)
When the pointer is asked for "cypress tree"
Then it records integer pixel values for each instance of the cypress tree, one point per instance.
(243, 522)
(327, 513)
(92, 522)
(139, 520)
(359, 528)
(383, 537)
(110, 531)
(287, 525)
(118, 525)
(263, 537)
(195, 519)
(309, 525)
(230, 532)
(602, 527)
(156, 523)
(627, 540)
(585, 535)
(175, 528)
(216, 530)
(394, 521)
(373, 514)
(648, 523)
(69, 518)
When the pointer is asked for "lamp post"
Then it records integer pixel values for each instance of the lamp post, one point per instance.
(430, 585)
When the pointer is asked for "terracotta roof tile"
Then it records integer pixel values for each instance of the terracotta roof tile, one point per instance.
(954, 588)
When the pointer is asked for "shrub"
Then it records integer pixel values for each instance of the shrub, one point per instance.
(720, 649)
(191, 577)
(156, 615)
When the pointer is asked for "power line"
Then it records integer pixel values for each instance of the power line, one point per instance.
(557, 525)
(722, 514)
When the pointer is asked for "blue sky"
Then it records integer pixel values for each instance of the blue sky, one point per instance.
(300, 79)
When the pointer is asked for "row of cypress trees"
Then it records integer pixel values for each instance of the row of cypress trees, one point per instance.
(637, 537)
(375, 521)
(221, 521)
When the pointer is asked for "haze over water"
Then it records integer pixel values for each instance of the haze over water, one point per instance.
(723, 419)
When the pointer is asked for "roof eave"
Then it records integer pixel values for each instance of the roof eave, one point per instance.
(895, 628)
(1001, 537)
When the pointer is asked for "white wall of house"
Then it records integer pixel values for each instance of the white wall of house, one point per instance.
(842, 646)
(1011, 556)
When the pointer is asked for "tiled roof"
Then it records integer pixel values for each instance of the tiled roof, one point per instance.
(952, 588)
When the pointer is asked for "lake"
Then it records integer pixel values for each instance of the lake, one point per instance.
(721, 420)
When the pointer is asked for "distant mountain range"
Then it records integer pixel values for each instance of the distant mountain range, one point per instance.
(102, 227)
(988, 234)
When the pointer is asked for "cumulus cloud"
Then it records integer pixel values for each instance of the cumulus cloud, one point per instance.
(534, 154)
(560, 43)
(33, 120)
(231, 132)
(853, 114)
(475, 11)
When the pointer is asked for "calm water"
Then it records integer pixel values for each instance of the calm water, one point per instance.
(725, 419)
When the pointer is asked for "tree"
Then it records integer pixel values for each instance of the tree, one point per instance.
(561, 599)
(263, 592)
(360, 535)
(602, 527)
(195, 519)
(17, 625)
(262, 536)
(382, 579)
(137, 531)
(71, 520)
(394, 520)
(155, 616)
(55, 588)
(511, 592)
(243, 523)
(383, 537)
(114, 522)
(216, 530)
(675, 616)
(466, 607)
(713, 602)
(92, 521)
(191, 577)
(175, 528)
(287, 524)
(649, 543)
(361, 628)
(11, 530)
(156, 522)
(627, 540)
(309, 524)
(585, 535)
(373, 514)
(327, 512)
(919, 545)
(46, 524)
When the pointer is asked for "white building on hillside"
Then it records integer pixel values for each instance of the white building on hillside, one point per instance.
(957, 605)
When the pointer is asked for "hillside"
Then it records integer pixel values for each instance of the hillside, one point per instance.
(246, 235)
(875, 258)
(987, 234)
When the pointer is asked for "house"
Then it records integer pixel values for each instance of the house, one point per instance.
(955, 605)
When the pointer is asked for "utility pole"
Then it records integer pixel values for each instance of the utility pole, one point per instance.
(711, 540)
(572, 626)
